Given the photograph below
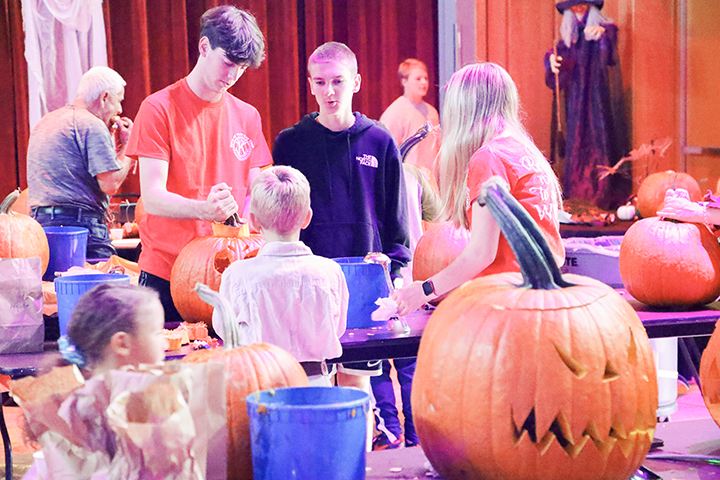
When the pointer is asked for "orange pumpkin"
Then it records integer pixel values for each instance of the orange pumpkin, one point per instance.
(22, 205)
(657, 256)
(204, 260)
(651, 194)
(248, 369)
(534, 376)
(140, 212)
(710, 375)
(436, 249)
(21, 236)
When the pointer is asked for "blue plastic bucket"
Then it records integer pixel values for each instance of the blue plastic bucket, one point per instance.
(68, 246)
(70, 288)
(366, 283)
(308, 432)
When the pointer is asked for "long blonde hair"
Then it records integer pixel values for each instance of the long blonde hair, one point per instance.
(481, 102)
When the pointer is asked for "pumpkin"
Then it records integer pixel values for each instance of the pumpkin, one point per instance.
(651, 194)
(710, 375)
(140, 212)
(248, 369)
(22, 205)
(534, 375)
(436, 249)
(203, 260)
(657, 256)
(21, 236)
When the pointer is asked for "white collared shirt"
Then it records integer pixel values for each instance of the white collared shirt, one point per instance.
(299, 300)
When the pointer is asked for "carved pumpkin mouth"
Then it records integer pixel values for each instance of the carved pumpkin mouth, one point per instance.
(560, 431)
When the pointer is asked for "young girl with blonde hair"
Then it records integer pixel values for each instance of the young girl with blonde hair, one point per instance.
(483, 137)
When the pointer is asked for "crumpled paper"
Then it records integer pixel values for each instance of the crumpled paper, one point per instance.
(387, 308)
(387, 311)
(164, 421)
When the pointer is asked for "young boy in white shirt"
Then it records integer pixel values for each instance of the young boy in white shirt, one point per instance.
(299, 300)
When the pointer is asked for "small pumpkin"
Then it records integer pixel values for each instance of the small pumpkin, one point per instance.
(658, 256)
(534, 376)
(21, 236)
(710, 375)
(203, 260)
(651, 194)
(437, 248)
(248, 369)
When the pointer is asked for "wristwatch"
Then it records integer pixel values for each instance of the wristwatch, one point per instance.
(428, 287)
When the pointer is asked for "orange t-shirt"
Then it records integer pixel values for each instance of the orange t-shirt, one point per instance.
(507, 157)
(205, 144)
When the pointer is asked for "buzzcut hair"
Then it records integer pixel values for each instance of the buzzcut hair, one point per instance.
(97, 81)
(407, 65)
(104, 310)
(280, 199)
(334, 52)
(236, 32)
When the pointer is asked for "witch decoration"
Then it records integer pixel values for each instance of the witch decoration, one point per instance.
(583, 71)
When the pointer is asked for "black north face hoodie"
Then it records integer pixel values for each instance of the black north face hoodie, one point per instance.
(357, 188)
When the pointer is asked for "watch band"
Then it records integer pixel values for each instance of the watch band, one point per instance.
(428, 287)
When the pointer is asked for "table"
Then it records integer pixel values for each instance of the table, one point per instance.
(695, 437)
(618, 227)
(379, 343)
(128, 248)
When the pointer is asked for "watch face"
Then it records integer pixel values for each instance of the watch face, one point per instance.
(428, 288)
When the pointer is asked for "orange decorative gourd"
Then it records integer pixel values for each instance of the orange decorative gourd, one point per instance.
(651, 194)
(21, 236)
(204, 260)
(534, 376)
(710, 375)
(248, 369)
(664, 262)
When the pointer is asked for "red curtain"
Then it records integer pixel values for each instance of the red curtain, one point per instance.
(154, 43)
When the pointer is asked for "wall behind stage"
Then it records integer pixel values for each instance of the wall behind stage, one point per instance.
(153, 43)
(517, 33)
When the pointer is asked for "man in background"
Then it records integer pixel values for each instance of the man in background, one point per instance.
(76, 159)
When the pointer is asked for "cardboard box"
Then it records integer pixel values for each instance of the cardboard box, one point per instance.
(596, 258)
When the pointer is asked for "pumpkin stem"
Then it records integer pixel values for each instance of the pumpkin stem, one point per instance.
(6, 205)
(526, 240)
(237, 333)
(413, 140)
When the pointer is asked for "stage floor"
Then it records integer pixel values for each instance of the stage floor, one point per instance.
(690, 425)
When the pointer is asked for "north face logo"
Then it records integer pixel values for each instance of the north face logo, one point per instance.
(368, 161)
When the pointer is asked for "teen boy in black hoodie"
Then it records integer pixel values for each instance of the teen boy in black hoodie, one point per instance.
(353, 165)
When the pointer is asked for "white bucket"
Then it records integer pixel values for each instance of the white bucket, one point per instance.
(665, 351)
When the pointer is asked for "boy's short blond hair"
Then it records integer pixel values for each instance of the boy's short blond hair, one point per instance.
(334, 52)
(280, 199)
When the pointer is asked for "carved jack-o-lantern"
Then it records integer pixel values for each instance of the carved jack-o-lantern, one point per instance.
(204, 260)
(534, 376)
(710, 375)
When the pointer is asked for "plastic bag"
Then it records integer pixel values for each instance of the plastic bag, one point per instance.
(22, 329)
